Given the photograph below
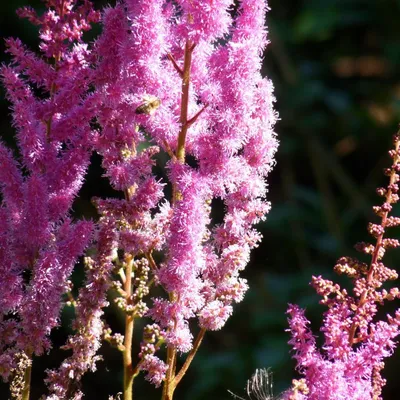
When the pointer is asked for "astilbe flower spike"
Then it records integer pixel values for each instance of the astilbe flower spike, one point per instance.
(39, 242)
(356, 343)
(181, 81)
(88, 324)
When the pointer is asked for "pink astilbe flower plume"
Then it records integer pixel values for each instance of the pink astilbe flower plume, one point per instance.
(39, 241)
(88, 324)
(355, 342)
(182, 80)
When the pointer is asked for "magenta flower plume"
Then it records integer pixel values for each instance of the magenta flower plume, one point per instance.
(190, 71)
(88, 323)
(355, 341)
(39, 241)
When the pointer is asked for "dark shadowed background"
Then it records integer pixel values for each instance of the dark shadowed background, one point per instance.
(335, 65)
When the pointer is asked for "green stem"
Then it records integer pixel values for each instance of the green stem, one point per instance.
(27, 382)
(190, 357)
(169, 387)
(173, 380)
(129, 325)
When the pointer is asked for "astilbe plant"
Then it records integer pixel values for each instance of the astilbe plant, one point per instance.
(39, 241)
(165, 79)
(356, 342)
(183, 78)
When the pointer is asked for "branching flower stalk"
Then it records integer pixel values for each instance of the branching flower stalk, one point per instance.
(172, 380)
(190, 87)
(378, 231)
(356, 344)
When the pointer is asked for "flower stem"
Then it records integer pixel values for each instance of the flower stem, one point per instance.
(171, 382)
(190, 357)
(129, 324)
(27, 382)
(180, 152)
(378, 245)
(169, 387)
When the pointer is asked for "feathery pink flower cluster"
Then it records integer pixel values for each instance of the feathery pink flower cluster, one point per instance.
(88, 324)
(356, 344)
(192, 73)
(39, 242)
